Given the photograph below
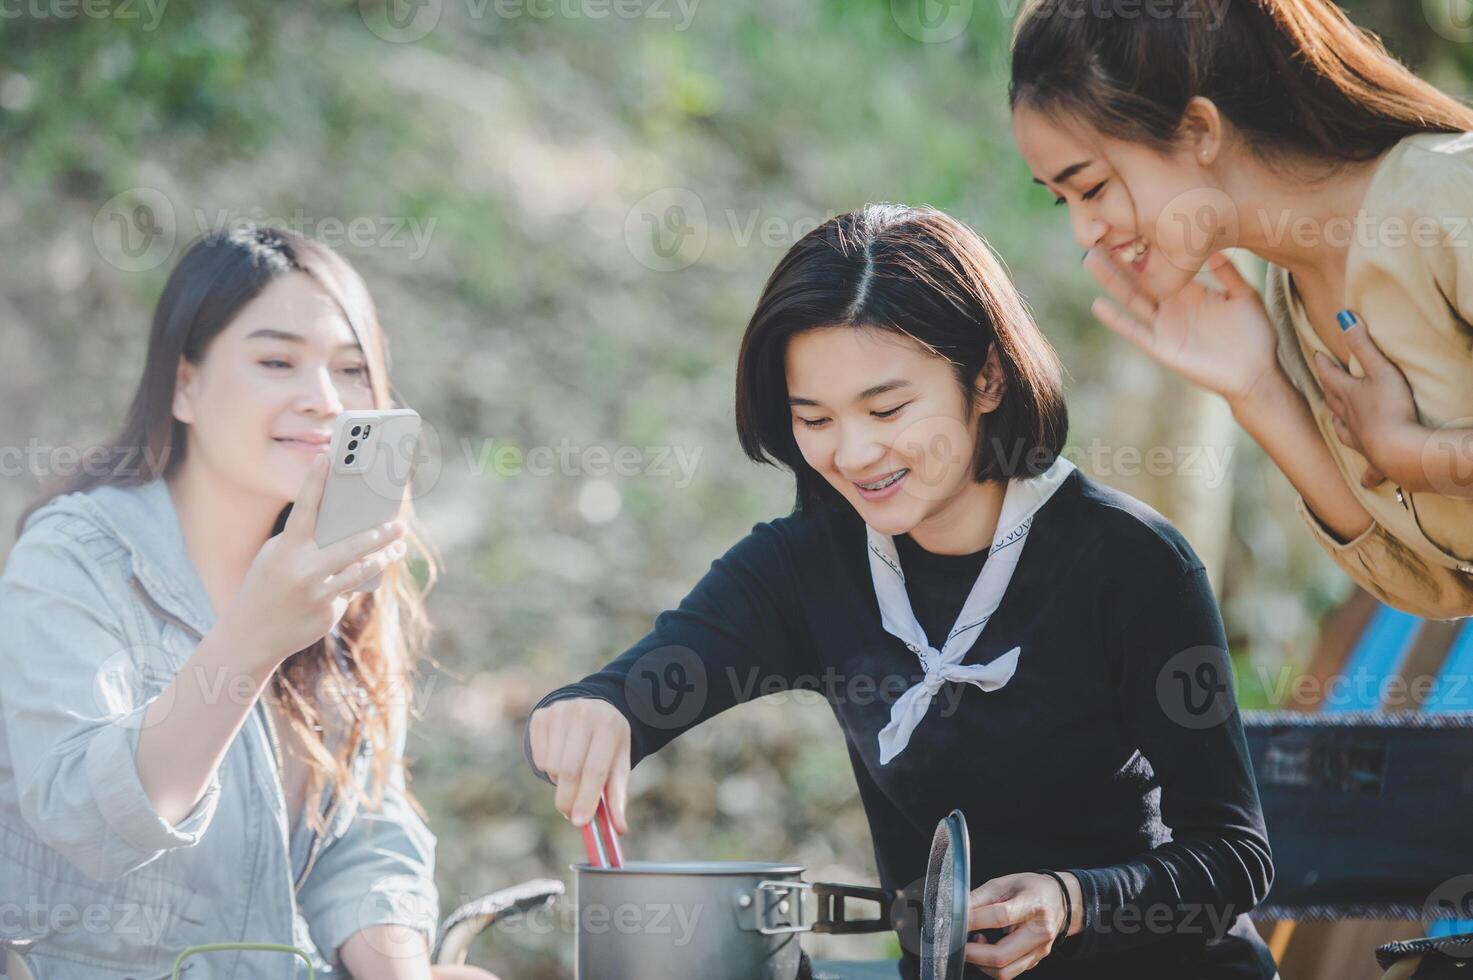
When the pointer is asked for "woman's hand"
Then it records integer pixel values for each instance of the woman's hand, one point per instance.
(583, 746)
(1032, 907)
(291, 598)
(294, 592)
(1373, 415)
(1219, 339)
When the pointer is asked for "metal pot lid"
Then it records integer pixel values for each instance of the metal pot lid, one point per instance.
(703, 868)
(944, 906)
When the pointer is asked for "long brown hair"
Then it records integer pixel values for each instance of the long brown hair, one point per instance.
(918, 272)
(1296, 78)
(385, 632)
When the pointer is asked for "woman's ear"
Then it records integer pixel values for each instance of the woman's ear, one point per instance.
(992, 383)
(184, 390)
(1201, 130)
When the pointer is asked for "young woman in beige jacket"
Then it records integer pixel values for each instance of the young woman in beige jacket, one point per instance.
(1281, 128)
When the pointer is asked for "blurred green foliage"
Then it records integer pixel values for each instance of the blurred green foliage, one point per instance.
(529, 316)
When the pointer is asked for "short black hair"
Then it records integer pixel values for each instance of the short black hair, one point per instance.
(918, 272)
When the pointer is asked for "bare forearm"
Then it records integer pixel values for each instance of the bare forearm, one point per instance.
(387, 952)
(1425, 460)
(1279, 419)
(189, 727)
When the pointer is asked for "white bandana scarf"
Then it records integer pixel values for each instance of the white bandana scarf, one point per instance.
(1021, 501)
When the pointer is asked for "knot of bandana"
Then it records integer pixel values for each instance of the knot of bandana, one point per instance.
(1021, 501)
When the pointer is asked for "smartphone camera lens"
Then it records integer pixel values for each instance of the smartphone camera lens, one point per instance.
(353, 444)
(356, 429)
(365, 429)
(348, 458)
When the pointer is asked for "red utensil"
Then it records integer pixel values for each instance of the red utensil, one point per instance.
(599, 837)
(601, 840)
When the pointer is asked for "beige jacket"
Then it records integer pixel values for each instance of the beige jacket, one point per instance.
(1410, 278)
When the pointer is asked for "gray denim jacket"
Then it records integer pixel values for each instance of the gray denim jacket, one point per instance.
(100, 606)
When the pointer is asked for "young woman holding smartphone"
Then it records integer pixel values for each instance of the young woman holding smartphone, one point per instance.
(1279, 127)
(994, 631)
(203, 724)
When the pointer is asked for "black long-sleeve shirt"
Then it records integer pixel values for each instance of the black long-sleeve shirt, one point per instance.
(1116, 751)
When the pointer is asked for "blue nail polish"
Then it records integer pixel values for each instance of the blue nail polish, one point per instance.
(1347, 319)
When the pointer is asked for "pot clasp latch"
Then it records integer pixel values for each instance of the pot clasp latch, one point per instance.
(760, 909)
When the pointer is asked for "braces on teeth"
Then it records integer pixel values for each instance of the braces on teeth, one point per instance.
(885, 482)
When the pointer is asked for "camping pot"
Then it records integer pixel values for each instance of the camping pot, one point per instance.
(717, 920)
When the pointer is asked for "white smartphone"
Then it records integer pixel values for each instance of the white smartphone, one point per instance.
(371, 463)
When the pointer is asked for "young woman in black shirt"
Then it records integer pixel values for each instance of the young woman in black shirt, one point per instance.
(994, 631)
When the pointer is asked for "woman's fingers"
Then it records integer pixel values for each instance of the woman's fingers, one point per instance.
(301, 523)
(618, 787)
(1372, 478)
(556, 734)
(537, 740)
(569, 767)
(1123, 285)
(1122, 322)
(582, 745)
(365, 568)
(1017, 967)
(1333, 375)
(1013, 946)
(340, 554)
(1336, 401)
(997, 904)
(595, 774)
(1016, 952)
(1358, 339)
(1333, 379)
(997, 915)
(1343, 433)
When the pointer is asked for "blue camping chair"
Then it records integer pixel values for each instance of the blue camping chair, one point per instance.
(1367, 802)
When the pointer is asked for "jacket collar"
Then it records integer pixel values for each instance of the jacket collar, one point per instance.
(143, 519)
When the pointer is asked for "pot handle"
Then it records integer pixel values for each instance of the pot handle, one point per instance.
(790, 892)
(830, 896)
(831, 918)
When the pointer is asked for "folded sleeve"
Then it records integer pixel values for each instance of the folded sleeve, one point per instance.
(379, 872)
(1175, 687)
(736, 636)
(1381, 564)
(74, 699)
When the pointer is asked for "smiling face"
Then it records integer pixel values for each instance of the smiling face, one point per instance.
(1165, 213)
(885, 422)
(262, 402)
